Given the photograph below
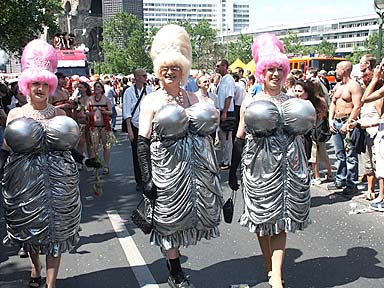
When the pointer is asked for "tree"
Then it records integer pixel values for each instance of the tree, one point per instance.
(293, 45)
(240, 48)
(23, 20)
(370, 47)
(325, 48)
(356, 54)
(370, 44)
(203, 38)
(125, 44)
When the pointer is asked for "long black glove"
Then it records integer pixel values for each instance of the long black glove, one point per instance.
(237, 150)
(3, 159)
(89, 162)
(144, 157)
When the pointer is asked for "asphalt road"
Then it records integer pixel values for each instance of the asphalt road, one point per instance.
(339, 249)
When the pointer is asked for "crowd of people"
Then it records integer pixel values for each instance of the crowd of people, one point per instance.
(264, 125)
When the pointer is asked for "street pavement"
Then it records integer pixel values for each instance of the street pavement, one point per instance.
(342, 248)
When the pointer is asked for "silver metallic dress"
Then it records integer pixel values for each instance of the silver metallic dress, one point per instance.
(274, 165)
(40, 185)
(185, 170)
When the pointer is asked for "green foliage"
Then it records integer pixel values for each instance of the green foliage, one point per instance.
(293, 45)
(22, 20)
(125, 45)
(241, 48)
(370, 43)
(325, 48)
(203, 38)
(370, 47)
(356, 54)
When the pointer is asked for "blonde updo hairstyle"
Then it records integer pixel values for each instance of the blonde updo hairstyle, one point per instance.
(172, 46)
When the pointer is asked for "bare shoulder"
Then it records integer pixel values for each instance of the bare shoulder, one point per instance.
(60, 112)
(337, 86)
(247, 100)
(153, 96)
(151, 101)
(353, 83)
(14, 114)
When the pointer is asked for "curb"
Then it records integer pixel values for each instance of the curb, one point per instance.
(322, 187)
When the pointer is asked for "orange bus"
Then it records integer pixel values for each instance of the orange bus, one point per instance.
(322, 63)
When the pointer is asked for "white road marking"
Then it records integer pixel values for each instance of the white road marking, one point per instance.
(143, 276)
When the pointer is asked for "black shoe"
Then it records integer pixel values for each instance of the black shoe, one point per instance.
(93, 163)
(335, 186)
(349, 191)
(22, 253)
(179, 281)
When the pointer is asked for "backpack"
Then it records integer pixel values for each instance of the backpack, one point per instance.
(321, 132)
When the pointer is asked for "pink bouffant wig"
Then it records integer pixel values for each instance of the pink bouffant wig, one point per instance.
(268, 50)
(38, 63)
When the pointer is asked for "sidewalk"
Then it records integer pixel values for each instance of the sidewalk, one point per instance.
(362, 204)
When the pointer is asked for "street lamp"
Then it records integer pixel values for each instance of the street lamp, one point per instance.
(379, 9)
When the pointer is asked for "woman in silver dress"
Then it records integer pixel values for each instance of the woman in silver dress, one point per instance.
(270, 147)
(40, 181)
(176, 155)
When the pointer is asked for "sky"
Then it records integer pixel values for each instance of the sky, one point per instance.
(279, 12)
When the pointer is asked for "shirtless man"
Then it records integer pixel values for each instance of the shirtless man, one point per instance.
(344, 109)
(61, 97)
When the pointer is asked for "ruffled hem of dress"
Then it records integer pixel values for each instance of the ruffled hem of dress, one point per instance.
(54, 249)
(270, 229)
(183, 238)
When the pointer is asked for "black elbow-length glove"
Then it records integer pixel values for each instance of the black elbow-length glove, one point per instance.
(89, 162)
(3, 159)
(238, 146)
(144, 157)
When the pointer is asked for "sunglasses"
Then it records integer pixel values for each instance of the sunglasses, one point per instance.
(173, 68)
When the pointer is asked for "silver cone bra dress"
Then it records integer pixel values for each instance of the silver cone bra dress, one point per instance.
(41, 185)
(185, 171)
(274, 166)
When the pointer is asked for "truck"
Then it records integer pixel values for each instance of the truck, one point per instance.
(326, 63)
(72, 62)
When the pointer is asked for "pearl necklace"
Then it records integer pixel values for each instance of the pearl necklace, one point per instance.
(46, 113)
(277, 99)
(179, 99)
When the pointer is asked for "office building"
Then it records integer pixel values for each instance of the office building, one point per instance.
(224, 15)
(134, 7)
(345, 33)
(112, 7)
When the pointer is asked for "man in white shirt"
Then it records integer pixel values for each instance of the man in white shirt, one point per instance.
(132, 99)
(225, 94)
(238, 100)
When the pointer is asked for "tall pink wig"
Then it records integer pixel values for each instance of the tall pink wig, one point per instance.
(268, 50)
(38, 63)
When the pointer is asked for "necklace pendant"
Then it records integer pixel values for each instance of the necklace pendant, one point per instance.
(46, 113)
(178, 99)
